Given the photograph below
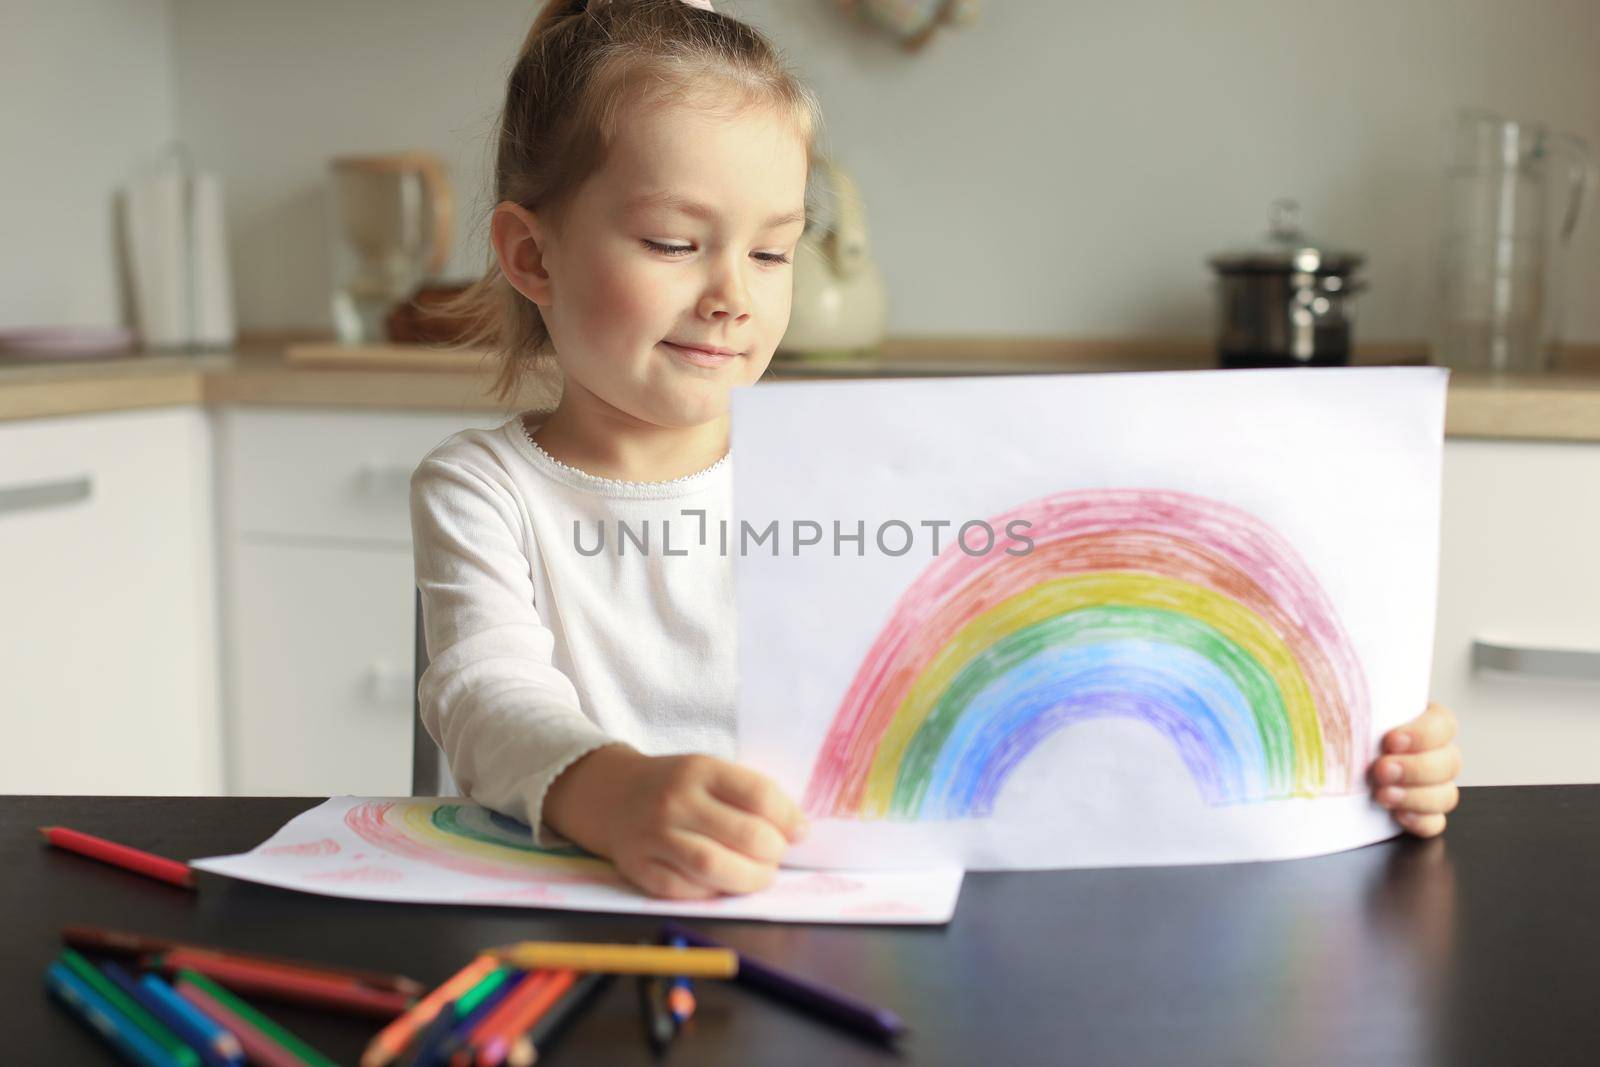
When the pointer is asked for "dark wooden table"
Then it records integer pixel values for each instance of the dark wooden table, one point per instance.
(1481, 947)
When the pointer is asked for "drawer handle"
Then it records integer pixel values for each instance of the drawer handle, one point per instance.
(44, 495)
(1548, 662)
(387, 683)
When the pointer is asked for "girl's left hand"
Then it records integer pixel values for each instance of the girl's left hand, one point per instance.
(1415, 775)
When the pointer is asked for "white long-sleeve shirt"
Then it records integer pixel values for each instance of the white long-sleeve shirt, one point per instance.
(539, 652)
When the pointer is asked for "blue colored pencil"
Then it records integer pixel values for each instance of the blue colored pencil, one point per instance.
(680, 991)
(215, 1044)
(158, 1010)
(461, 1032)
(431, 1038)
(117, 1029)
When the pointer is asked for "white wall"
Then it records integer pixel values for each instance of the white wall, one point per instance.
(1063, 167)
(85, 101)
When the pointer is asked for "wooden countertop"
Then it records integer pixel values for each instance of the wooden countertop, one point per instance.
(1559, 406)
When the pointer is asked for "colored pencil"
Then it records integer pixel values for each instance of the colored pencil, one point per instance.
(831, 1004)
(131, 1043)
(130, 859)
(518, 991)
(621, 959)
(680, 992)
(433, 1036)
(537, 994)
(468, 1002)
(262, 1050)
(178, 1025)
(658, 1025)
(457, 1047)
(130, 1008)
(190, 982)
(392, 1039)
(198, 1028)
(123, 943)
(279, 983)
(555, 1022)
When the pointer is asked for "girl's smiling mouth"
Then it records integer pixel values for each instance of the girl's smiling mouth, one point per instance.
(701, 357)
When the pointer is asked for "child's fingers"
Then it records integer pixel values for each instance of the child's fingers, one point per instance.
(738, 830)
(1424, 800)
(704, 861)
(1434, 728)
(755, 793)
(661, 879)
(1425, 768)
(1421, 825)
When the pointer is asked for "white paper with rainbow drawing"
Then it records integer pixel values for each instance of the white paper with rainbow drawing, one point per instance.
(1085, 620)
(447, 850)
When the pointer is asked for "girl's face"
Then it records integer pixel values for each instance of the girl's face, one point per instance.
(684, 238)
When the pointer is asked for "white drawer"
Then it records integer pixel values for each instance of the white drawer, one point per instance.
(328, 473)
(108, 680)
(320, 679)
(1520, 566)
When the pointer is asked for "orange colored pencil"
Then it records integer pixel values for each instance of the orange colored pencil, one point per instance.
(283, 983)
(129, 859)
(392, 1039)
(517, 1013)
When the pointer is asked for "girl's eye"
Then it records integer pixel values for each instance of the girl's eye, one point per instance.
(682, 250)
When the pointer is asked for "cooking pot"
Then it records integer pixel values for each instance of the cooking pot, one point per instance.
(1283, 303)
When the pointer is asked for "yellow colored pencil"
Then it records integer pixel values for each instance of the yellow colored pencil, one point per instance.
(620, 959)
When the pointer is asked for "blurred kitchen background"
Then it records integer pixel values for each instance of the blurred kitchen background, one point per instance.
(199, 602)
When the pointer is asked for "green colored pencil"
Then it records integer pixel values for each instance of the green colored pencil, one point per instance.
(470, 1000)
(136, 1012)
(256, 1019)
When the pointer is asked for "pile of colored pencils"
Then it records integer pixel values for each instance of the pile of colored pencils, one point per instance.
(187, 1007)
(510, 1003)
(169, 1004)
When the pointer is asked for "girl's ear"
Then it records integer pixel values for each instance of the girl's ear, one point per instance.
(518, 239)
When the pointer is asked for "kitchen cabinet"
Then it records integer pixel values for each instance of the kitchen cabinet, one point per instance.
(108, 651)
(315, 507)
(1520, 570)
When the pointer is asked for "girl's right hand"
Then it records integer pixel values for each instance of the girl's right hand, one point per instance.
(685, 827)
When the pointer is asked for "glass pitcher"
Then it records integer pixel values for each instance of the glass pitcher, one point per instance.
(1513, 194)
(392, 231)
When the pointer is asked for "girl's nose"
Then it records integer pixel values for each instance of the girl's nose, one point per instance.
(726, 296)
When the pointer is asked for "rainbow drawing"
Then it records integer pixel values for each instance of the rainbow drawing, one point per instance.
(1168, 608)
(464, 837)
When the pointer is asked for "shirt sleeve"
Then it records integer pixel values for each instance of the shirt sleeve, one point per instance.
(507, 719)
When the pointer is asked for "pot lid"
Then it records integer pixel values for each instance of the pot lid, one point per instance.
(1287, 248)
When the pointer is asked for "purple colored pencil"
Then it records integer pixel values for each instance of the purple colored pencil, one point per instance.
(833, 1005)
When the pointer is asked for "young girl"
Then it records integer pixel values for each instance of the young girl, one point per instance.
(651, 184)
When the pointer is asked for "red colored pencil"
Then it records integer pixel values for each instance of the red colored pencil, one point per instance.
(102, 941)
(283, 983)
(515, 1014)
(130, 859)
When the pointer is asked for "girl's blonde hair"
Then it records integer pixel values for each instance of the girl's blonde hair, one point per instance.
(582, 64)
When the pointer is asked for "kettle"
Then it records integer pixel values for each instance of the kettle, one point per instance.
(841, 308)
